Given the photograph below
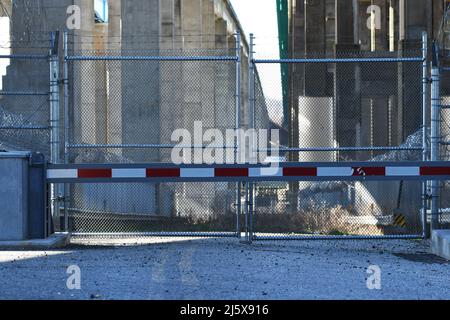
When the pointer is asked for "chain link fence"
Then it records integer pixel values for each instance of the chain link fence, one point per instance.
(153, 209)
(124, 108)
(337, 208)
(444, 201)
(24, 103)
(353, 106)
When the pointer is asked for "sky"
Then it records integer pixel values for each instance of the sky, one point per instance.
(4, 47)
(101, 8)
(260, 18)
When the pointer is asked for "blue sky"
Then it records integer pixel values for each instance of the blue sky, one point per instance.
(260, 18)
(101, 8)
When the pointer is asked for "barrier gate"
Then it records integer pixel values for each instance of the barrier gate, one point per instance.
(154, 173)
(341, 176)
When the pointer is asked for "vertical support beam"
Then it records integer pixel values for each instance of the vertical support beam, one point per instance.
(66, 126)
(238, 209)
(253, 156)
(237, 126)
(238, 90)
(356, 18)
(247, 238)
(315, 83)
(373, 32)
(54, 129)
(401, 22)
(113, 119)
(251, 209)
(435, 142)
(296, 72)
(251, 95)
(252, 145)
(347, 100)
(424, 126)
(391, 26)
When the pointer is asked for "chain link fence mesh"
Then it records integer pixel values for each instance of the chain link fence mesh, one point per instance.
(152, 208)
(124, 109)
(338, 208)
(340, 112)
(444, 199)
(24, 105)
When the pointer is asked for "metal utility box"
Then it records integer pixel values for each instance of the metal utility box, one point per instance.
(22, 196)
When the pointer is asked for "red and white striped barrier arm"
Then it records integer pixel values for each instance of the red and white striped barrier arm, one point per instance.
(285, 172)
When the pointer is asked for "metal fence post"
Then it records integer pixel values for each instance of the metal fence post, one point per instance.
(247, 238)
(66, 127)
(238, 125)
(253, 146)
(424, 127)
(251, 209)
(435, 142)
(54, 128)
(251, 124)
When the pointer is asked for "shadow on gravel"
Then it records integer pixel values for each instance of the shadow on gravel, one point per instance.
(422, 257)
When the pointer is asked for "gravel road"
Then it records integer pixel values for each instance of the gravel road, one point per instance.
(226, 269)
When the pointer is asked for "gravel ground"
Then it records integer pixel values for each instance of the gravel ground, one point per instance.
(226, 269)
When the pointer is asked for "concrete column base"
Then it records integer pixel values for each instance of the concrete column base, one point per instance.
(440, 243)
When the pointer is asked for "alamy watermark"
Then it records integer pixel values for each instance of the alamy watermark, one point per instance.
(373, 281)
(74, 280)
(230, 146)
(73, 21)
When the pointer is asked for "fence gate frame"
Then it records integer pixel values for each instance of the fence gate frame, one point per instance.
(67, 145)
(429, 147)
(287, 171)
(60, 172)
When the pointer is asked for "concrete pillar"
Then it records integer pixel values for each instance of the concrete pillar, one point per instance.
(195, 100)
(417, 14)
(172, 111)
(344, 23)
(191, 13)
(315, 46)
(221, 33)
(114, 76)
(84, 78)
(382, 34)
(410, 86)
(100, 46)
(347, 95)
(296, 72)
(208, 24)
(208, 112)
(222, 87)
(140, 79)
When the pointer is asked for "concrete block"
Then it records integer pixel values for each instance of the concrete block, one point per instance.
(440, 243)
(14, 196)
(57, 240)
